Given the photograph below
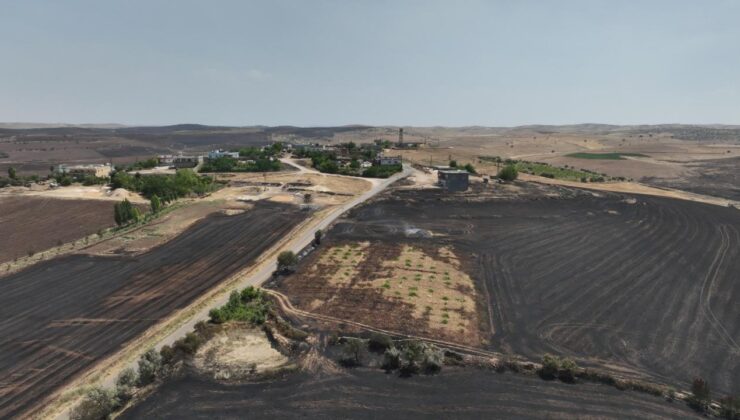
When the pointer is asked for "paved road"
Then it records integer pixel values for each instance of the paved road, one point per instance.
(264, 270)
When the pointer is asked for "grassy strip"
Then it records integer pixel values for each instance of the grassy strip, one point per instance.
(604, 156)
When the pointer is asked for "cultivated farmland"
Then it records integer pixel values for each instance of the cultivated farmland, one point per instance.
(641, 285)
(33, 224)
(455, 393)
(58, 318)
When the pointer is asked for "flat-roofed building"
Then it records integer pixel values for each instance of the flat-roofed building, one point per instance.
(453, 180)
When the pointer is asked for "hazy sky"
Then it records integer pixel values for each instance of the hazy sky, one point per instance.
(452, 63)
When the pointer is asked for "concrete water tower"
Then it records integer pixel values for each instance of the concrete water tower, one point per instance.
(400, 137)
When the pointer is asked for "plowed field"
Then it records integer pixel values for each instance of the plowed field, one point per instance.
(33, 224)
(59, 317)
(647, 286)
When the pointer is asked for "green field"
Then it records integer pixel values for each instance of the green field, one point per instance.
(549, 171)
(604, 156)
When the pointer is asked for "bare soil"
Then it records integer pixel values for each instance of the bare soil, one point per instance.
(32, 224)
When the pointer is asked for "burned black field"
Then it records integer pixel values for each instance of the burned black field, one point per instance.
(60, 317)
(641, 285)
(370, 394)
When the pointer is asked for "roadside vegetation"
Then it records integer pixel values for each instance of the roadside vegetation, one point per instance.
(546, 170)
(604, 156)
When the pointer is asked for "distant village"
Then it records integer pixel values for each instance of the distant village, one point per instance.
(367, 159)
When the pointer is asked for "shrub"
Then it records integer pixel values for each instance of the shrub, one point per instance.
(98, 404)
(433, 360)
(470, 168)
(391, 359)
(567, 370)
(379, 342)
(508, 173)
(453, 164)
(550, 366)
(251, 305)
(352, 352)
(167, 354)
(126, 384)
(150, 364)
(189, 344)
(317, 236)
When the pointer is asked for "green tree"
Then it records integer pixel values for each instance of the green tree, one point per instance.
(453, 164)
(98, 404)
(508, 173)
(125, 212)
(126, 384)
(353, 350)
(317, 237)
(11, 173)
(470, 168)
(155, 203)
(287, 261)
(150, 364)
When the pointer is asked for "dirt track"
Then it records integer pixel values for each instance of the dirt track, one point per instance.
(455, 393)
(60, 317)
(644, 285)
(35, 223)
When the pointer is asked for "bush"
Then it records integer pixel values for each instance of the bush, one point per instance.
(98, 404)
(251, 305)
(150, 364)
(508, 173)
(167, 354)
(392, 359)
(126, 384)
(352, 352)
(189, 344)
(379, 342)
(433, 360)
(550, 366)
(287, 261)
(470, 168)
(567, 371)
